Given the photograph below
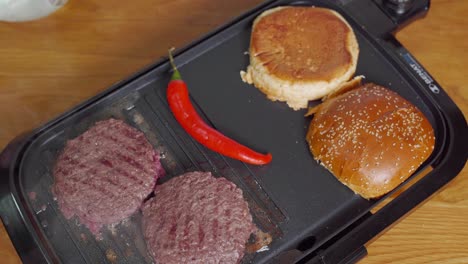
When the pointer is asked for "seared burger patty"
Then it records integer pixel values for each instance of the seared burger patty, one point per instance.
(196, 218)
(103, 175)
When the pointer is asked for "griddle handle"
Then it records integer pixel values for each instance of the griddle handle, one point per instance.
(384, 17)
(403, 12)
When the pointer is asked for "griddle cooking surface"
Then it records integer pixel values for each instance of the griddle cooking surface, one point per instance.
(293, 198)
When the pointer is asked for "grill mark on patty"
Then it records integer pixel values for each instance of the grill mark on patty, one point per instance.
(111, 163)
(227, 212)
(173, 232)
(122, 188)
(130, 161)
(106, 163)
(72, 180)
(129, 176)
(195, 226)
(97, 188)
(77, 184)
(162, 224)
(113, 183)
(188, 218)
(119, 184)
(214, 226)
(82, 164)
(126, 145)
(201, 235)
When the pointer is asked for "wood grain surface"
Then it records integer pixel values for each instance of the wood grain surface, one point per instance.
(50, 65)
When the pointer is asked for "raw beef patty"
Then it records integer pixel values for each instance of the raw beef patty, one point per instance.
(196, 218)
(103, 175)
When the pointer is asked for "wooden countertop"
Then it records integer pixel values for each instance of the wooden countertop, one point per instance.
(50, 65)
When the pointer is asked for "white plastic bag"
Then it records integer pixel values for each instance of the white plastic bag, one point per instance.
(25, 10)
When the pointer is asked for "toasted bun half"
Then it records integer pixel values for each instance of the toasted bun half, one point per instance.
(370, 138)
(298, 54)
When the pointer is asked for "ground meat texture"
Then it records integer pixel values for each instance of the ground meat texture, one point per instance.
(197, 218)
(103, 175)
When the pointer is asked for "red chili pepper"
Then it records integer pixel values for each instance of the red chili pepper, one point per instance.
(193, 124)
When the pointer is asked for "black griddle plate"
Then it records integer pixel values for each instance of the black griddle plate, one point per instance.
(296, 200)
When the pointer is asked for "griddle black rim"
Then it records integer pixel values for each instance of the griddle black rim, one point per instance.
(346, 247)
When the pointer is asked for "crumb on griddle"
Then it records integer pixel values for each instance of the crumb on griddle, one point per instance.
(111, 256)
(261, 240)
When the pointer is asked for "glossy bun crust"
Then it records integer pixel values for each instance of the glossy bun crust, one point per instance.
(370, 138)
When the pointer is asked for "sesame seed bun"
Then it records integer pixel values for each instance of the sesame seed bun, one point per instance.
(370, 138)
(298, 54)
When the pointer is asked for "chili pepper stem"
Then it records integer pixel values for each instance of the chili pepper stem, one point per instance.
(176, 75)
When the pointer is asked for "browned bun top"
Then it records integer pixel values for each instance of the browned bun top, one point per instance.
(370, 138)
(303, 43)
